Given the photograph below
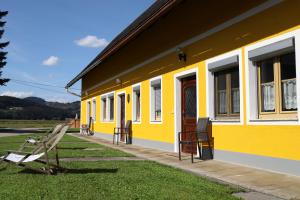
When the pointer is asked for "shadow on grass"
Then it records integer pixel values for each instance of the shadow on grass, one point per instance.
(72, 148)
(73, 171)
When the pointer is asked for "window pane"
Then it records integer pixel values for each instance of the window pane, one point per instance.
(266, 71)
(288, 82)
(157, 102)
(138, 106)
(111, 106)
(267, 86)
(288, 66)
(104, 109)
(190, 102)
(235, 91)
(221, 93)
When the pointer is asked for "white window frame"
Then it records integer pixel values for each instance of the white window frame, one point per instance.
(134, 88)
(93, 109)
(107, 96)
(251, 76)
(88, 109)
(210, 90)
(118, 108)
(151, 117)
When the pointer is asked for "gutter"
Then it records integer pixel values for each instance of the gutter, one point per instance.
(73, 93)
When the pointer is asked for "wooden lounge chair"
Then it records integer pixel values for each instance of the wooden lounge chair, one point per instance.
(123, 132)
(32, 141)
(195, 138)
(42, 149)
(86, 128)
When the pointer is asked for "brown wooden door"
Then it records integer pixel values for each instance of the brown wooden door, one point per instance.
(122, 116)
(189, 111)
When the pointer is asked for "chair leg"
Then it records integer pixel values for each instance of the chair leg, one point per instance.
(114, 138)
(56, 157)
(47, 160)
(118, 139)
(200, 150)
(179, 151)
(192, 153)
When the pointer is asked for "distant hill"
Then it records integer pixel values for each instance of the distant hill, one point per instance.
(36, 108)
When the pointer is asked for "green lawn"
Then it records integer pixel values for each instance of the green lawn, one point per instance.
(28, 123)
(104, 179)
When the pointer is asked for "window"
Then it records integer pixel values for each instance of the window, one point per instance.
(156, 114)
(277, 93)
(227, 93)
(94, 110)
(111, 108)
(88, 113)
(136, 104)
(107, 107)
(223, 88)
(104, 108)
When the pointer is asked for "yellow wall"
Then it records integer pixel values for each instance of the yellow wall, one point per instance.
(282, 141)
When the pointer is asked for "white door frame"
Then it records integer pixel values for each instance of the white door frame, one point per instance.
(177, 101)
(118, 110)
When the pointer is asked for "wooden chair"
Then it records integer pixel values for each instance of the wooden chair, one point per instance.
(123, 131)
(86, 128)
(195, 138)
(21, 158)
(203, 130)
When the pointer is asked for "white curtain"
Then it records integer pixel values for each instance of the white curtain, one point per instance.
(222, 102)
(157, 93)
(235, 100)
(268, 97)
(289, 94)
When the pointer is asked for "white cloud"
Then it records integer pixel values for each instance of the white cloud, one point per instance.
(92, 41)
(52, 60)
(17, 94)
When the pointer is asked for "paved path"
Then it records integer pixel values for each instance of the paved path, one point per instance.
(272, 184)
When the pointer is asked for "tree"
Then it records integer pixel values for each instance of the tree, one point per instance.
(3, 54)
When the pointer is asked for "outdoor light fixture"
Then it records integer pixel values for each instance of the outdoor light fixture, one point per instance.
(118, 81)
(181, 55)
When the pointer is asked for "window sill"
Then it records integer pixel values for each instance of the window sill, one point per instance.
(155, 122)
(226, 120)
(107, 121)
(274, 120)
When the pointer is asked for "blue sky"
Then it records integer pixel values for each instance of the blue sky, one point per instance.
(52, 41)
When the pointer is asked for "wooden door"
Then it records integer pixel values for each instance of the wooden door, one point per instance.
(122, 116)
(188, 110)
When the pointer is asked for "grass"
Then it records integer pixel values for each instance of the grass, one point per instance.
(28, 123)
(105, 179)
(69, 147)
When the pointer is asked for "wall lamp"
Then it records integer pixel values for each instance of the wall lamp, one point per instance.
(118, 81)
(181, 55)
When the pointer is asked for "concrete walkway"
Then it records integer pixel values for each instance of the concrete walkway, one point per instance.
(273, 184)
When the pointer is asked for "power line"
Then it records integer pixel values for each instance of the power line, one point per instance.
(42, 84)
(47, 89)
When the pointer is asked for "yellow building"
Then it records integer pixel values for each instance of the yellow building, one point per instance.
(232, 61)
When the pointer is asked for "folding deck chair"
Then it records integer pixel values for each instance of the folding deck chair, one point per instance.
(32, 141)
(42, 149)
